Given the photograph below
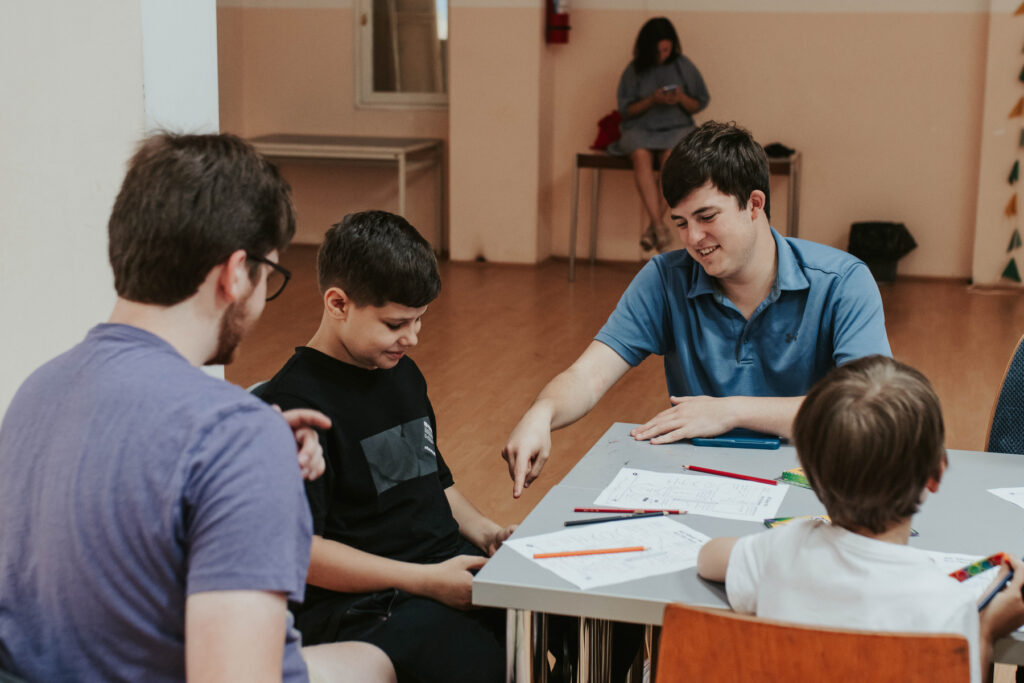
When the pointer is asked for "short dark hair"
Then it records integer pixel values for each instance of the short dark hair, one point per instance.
(188, 202)
(377, 257)
(645, 50)
(722, 153)
(870, 436)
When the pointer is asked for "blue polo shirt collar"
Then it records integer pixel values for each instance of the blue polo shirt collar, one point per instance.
(788, 276)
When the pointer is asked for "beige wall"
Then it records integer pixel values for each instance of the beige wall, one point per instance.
(885, 108)
(290, 70)
(1000, 147)
(98, 74)
(68, 124)
(884, 100)
(495, 118)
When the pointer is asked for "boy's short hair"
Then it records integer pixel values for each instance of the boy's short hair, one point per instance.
(870, 436)
(722, 153)
(377, 257)
(188, 202)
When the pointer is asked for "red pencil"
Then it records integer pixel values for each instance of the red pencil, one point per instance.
(624, 510)
(720, 473)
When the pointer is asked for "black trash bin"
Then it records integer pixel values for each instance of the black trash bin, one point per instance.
(880, 245)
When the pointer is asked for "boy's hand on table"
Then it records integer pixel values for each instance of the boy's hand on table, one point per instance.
(688, 417)
(451, 582)
(527, 450)
(497, 538)
(304, 423)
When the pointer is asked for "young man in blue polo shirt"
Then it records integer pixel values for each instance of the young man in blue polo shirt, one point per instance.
(747, 320)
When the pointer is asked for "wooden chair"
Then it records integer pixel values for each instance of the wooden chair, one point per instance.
(1006, 428)
(702, 644)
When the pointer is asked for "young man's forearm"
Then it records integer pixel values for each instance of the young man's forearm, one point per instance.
(573, 393)
(771, 415)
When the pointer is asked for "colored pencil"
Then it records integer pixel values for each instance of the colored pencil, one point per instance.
(596, 551)
(626, 510)
(616, 518)
(745, 477)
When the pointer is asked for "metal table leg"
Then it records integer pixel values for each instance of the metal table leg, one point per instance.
(794, 195)
(595, 193)
(442, 234)
(519, 646)
(401, 185)
(574, 215)
(595, 660)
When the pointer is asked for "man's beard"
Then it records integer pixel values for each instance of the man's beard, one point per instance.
(233, 327)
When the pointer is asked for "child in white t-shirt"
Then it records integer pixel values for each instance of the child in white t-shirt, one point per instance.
(870, 439)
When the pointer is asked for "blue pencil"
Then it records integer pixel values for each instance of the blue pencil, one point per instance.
(995, 591)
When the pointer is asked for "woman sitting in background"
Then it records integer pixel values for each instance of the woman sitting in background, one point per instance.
(658, 93)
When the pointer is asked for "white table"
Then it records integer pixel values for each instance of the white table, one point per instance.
(400, 151)
(962, 518)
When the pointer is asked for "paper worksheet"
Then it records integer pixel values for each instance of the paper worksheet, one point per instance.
(700, 494)
(950, 562)
(1013, 494)
(669, 547)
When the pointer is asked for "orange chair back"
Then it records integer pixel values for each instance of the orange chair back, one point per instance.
(702, 644)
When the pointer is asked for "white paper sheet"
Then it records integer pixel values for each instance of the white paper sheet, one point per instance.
(670, 546)
(1015, 495)
(700, 494)
(978, 584)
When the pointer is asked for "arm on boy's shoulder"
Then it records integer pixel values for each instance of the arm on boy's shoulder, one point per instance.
(304, 422)
(713, 558)
(474, 526)
(340, 567)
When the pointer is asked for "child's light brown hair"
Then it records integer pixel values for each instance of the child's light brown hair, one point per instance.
(870, 436)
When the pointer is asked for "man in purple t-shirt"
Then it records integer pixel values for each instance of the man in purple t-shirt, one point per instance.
(153, 522)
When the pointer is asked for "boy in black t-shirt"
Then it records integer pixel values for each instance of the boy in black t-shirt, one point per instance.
(395, 543)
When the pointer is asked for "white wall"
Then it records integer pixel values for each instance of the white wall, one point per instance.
(73, 110)
(71, 74)
(179, 48)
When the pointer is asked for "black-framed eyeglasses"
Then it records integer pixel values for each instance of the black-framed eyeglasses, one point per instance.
(276, 279)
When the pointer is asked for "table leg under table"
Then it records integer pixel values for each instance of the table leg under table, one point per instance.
(574, 216)
(401, 185)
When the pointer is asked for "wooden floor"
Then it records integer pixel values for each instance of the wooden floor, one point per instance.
(497, 334)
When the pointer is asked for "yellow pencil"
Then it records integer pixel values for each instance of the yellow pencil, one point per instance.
(596, 551)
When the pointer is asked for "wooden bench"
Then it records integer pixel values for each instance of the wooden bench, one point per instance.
(598, 161)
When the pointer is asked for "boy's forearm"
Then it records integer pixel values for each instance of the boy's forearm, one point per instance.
(713, 559)
(339, 567)
(768, 414)
(473, 524)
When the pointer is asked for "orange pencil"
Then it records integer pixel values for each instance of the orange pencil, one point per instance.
(597, 551)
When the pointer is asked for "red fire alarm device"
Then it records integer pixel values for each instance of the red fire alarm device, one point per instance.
(558, 21)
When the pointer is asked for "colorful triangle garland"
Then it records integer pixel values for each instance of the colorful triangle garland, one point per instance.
(1014, 241)
(1014, 173)
(1020, 10)
(1011, 206)
(1011, 272)
(1018, 109)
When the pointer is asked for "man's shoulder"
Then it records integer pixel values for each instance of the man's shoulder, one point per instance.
(816, 259)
